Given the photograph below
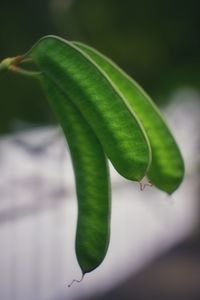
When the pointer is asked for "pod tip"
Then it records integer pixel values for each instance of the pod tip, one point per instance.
(144, 183)
(76, 280)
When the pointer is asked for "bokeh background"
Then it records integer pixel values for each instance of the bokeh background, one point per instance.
(156, 42)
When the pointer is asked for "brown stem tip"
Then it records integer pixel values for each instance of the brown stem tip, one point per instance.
(75, 280)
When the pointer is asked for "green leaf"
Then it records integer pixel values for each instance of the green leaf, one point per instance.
(167, 168)
(118, 129)
(92, 180)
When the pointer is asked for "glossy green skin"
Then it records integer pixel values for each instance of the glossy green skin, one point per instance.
(167, 168)
(92, 180)
(123, 139)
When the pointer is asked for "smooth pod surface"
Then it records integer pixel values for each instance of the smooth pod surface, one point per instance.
(167, 168)
(118, 129)
(92, 180)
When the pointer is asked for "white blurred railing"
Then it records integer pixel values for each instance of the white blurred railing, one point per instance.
(38, 213)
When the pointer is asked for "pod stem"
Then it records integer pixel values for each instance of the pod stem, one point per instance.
(10, 61)
(11, 64)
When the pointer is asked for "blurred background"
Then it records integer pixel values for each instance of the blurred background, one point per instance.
(155, 239)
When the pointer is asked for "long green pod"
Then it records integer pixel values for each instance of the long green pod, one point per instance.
(92, 180)
(167, 167)
(119, 131)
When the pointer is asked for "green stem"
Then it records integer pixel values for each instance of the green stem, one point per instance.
(7, 62)
(11, 64)
(24, 72)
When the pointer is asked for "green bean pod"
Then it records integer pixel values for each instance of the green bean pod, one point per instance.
(82, 81)
(92, 180)
(167, 168)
